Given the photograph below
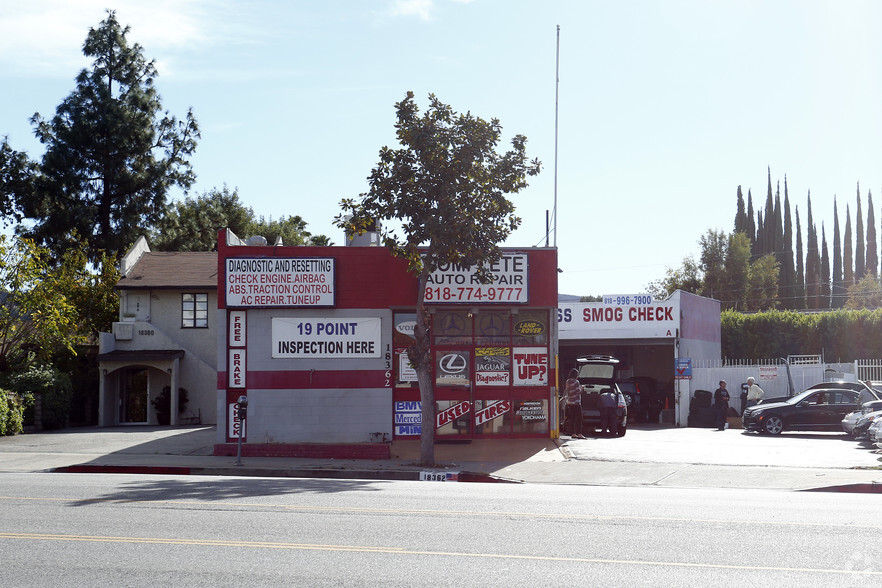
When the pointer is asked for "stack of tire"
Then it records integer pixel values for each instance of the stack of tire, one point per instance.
(701, 411)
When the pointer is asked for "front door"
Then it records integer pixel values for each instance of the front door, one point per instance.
(135, 397)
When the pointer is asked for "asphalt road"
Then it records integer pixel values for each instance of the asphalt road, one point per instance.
(70, 529)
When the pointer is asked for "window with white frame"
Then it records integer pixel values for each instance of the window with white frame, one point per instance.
(194, 311)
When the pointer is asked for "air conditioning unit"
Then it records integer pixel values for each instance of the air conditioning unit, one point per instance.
(123, 331)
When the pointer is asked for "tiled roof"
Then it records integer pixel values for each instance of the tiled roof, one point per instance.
(168, 269)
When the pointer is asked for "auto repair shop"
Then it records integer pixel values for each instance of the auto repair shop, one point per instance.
(316, 338)
(655, 341)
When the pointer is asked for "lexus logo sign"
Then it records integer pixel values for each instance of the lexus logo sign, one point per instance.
(453, 364)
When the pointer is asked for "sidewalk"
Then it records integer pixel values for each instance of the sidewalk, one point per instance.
(669, 458)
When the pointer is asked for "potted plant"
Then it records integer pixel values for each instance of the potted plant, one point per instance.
(162, 404)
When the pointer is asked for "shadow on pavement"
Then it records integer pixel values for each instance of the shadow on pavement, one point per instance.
(221, 489)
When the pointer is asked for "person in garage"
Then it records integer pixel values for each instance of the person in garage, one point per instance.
(721, 404)
(607, 405)
(573, 391)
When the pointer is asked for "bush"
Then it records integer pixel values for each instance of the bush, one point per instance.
(12, 409)
(54, 389)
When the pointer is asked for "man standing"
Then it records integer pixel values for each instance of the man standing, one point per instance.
(721, 403)
(754, 393)
(607, 404)
(573, 391)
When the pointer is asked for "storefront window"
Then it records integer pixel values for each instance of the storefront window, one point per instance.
(452, 417)
(530, 328)
(492, 327)
(493, 417)
(402, 338)
(452, 327)
(452, 368)
(531, 416)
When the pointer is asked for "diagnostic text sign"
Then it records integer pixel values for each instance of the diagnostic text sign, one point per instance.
(277, 281)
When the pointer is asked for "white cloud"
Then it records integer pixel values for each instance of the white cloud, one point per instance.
(419, 8)
(44, 38)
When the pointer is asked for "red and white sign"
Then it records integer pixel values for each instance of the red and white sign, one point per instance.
(530, 366)
(493, 410)
(768, 373)
(451, 414)
(236, 368)
(279, 282)
(237, 328)
(235, 421)
(594, 320)
(453, 283)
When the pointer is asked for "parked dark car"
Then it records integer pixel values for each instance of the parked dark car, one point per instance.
(858, 386)
(597, 375)
(812, 410)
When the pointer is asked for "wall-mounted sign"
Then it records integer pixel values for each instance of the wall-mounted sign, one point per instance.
(596, 320)
(453, 283)
(529, 327)
(408, 417)
(237, 328)
(530, 366)
(279, 282)
(492, 410)
(236, 368)
(235, 422)
(492, 366)
(452, 368)
(326, 337)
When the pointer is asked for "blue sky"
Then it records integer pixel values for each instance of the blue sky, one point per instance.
(665, 107)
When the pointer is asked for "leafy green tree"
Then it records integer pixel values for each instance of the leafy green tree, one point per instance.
(192, 224)
(714, 244)
(763, 283)
(866, 293)
(447, 187)
(36, 315)
(687, 278)
(112, 154)
(737, 266)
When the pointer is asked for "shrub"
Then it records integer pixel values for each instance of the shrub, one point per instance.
(54, 389)
(12, 409)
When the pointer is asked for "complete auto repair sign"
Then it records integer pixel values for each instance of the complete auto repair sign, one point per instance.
(619, 317)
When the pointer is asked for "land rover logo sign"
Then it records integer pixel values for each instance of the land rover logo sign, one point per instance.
(530, 328)
(453, 364)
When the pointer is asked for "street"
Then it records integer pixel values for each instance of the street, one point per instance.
(75, 529)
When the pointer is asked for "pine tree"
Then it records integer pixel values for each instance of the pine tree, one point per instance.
(860, 266)
(872, 259)
(837, 291)
(111, 153)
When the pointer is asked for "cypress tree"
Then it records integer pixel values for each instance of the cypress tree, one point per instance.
(799, 302)
(860, 266)
(788, 272)
(740, 213)
(812, 262)
(751, 222)
(837, 291)
(847, 261)
(825, 272)
(872, 259)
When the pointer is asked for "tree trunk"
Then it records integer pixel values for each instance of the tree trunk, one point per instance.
(420, 357)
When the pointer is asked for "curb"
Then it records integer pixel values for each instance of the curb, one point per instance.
(394, 475)
(871, 488)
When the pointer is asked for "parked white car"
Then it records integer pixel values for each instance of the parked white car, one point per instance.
(874, 433)
(851, 419)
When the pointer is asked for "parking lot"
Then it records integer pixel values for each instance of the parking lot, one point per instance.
(657, 444)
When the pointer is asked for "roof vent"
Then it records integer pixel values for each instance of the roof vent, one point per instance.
(256, 241)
